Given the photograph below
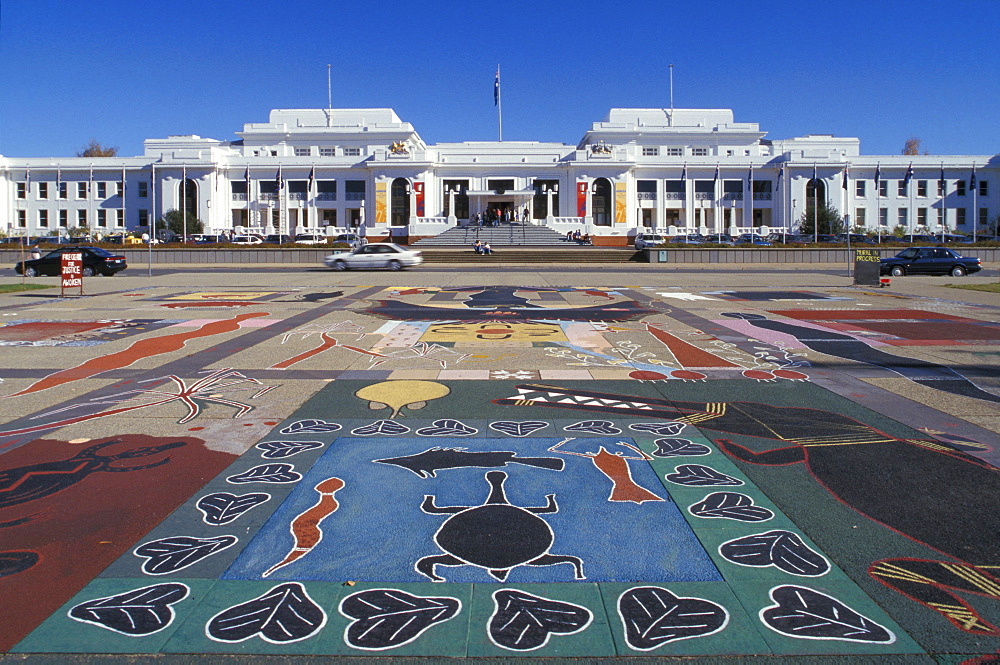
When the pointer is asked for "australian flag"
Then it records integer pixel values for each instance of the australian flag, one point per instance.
(277, 178)
(496, 88)
(972, 180)
(878, 175)
(750, 179)
(684, 173)
(781, 175)
(909, 173)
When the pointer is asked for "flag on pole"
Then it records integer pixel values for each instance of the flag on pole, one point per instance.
(781, 175)
(750, 179)
(246, 179)
(278, 180)
(27, 177)
(814, 172)
(496, 88)
(878, 177)
(312, 179)
(716, 172)
(941, 179)
(58, 181)
(972, 180)
(847, 174)
(90, 183)
(909, 174)
(123, 181)
(684, 173)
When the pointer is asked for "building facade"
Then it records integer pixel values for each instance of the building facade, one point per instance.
(673, 171)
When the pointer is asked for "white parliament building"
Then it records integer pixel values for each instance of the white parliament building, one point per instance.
(329, 170)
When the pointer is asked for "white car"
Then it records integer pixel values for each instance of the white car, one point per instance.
(375, 255)
(310, 239)
(644, 240)
(246, 240)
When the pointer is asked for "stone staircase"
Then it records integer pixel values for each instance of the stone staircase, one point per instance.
(517, 255)
(505, 235)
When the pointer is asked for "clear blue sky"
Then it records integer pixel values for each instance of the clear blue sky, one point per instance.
(120, 72)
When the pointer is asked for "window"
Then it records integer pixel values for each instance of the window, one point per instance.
(328, 152)
(650, 151)
(43, 218)
(102, 217)
(143, 189)
(883, 188)
(699, 152)
(729, 153)
(120, 218)
(922, 216)
(960, 216)
(859, 187)
(63, 190)
(883, 217)
(901, 187)
(43, 190)
(675, 152)
(303, 152)
(120, 188)
(859, 216)
(143, 218)
(22, 218)
(64, 218)
(22, 190)
(984, 214)
(941, 187)
(984, 189)
(960, 187)
(921, 188)
(352, 152)
(902, 216)
(102, 190)
(326, 190)
(81, 217)
(354, 190)
(81, 190)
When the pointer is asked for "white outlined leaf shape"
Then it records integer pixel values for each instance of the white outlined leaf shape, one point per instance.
(222, 507)
(663, 429)
(653, 616)
(380, 427)
(802, 612)
(310, 426)
(594, 427)
(680, 448)
(784, 550)
(267, 473)
(284, 614)
(514, 428)
(388, 618)
(523, 622)
(699, 475)
(447, 427)
(731, 506)
(135, 613)
(168, 555)
(281, 449)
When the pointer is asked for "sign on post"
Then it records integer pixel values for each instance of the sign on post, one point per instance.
(866, 267)
(72, 272)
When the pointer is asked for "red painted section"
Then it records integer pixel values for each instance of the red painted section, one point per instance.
(327, 343)
(852, 314)
(37, 331)
(687, 354)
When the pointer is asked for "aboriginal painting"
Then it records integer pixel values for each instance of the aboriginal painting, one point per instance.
(498, 471)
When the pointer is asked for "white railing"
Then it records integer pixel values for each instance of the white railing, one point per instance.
(326, 196)
(354, 196)
(674, 196)
(239, 197)
(733, 196)
(646, 196)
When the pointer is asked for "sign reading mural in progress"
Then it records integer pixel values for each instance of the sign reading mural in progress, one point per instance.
(866, 267)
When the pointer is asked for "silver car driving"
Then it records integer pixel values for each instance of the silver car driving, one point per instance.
(375, 255)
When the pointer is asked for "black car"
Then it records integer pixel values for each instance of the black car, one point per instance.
(929, 261)
(96, 261)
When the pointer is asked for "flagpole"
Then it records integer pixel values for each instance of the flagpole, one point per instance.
(815, 205)
(975, 203)
(184, 203)
(329, 97)
(499, 107)
(152, 221)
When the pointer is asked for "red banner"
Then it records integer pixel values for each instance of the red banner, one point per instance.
(72, 271)
(418, 188)
(581, 199)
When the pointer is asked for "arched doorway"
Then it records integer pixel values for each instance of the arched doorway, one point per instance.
(601, 202)
(399, 207)
(815, 193)
(188, 197)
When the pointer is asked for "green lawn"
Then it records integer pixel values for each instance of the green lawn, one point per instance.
(989, 288)
(12, 288)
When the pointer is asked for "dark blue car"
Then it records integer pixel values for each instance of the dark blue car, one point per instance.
(929, 261)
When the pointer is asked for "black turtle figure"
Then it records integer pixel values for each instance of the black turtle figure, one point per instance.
(495, 536)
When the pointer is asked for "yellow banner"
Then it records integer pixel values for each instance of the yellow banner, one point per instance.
(620, 202)
(381, 202)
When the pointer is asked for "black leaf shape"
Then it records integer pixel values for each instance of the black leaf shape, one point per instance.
(593, 427)
(280, 449)
(680, 448)
(730, 506)
(138, 612)
(664, 429)
(388, 618)
(653, 616)
(447, 427)
(514, 428)
(267, 473)
(310, 427)
(381, 427)
(168, 555)
(699, 475)
(284, 614)
(14, 562)
(808, 614)
(222, 507)
(523, 622)
(782, 549)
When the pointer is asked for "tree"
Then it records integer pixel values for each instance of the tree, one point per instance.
(173, 220)
(912, 146)
(95, 149)
(829, 218)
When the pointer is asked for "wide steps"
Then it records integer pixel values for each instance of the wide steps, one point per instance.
(505, 235)
(521, 256)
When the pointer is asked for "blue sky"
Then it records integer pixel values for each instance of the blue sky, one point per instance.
(120, 72)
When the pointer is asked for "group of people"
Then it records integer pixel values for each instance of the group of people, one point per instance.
(494, 216)
(482, 247)
(576, 236)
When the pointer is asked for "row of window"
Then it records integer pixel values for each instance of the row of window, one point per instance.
(312, 151)
(924, 216)
(61, 189)
(656, 151)
(902, 187)
(116, 216)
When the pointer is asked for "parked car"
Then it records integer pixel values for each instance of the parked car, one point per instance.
(855, 238)
(644, 240)
(956, 237)
(310, 239)
(277, 239)
(916, 237)
(246, 240)
(51, 240)
(752, 239)
(95, 261)
(208, 239)
(15, 240)
(375, 255)
(351, 239)
(929, 261)
(688, 239)
(719, 239)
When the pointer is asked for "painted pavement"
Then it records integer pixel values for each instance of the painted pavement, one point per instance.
(498, 471)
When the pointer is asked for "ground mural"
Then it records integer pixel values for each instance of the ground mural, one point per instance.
(499, 470)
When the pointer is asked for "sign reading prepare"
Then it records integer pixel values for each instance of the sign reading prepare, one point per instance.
(72, 272)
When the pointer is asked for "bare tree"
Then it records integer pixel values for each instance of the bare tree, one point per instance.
(95, 149)
(912, 146)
